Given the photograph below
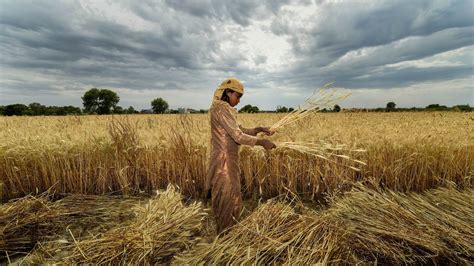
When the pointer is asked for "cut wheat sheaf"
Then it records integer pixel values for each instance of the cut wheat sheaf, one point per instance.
(324, 98)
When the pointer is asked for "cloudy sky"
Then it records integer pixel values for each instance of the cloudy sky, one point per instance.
(411, 52)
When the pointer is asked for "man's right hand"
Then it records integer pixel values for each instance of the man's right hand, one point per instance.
(268, 145)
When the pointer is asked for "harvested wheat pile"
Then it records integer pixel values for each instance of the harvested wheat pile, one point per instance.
(389, 227)
(95, 213)
(24, 222)
(261, 238)
(160, 229)
(249, 241)
(362, 226)
(32, 219)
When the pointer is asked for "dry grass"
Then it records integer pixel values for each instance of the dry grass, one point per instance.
(26, 221)
(98, 229)
(23, 223)
(325, 151)
(388, 227)
(260, 238)
(136, 155)
(139, 154)
(361, 227)
(159, 229)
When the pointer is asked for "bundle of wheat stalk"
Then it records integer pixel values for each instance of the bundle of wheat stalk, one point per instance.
(393, 228)
(24, 222)
(363, 226)
(319, 100)
(325, 151)
(160, 229)
(261, 238)
(30, 220)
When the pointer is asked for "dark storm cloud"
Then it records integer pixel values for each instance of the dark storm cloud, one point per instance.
(96, 40)
(74, 49)
(375, 34)
(338, 28)
(29, 87)
(36, 32)
(241, 12)
(52, 46)
(348, 71)
(394, 77)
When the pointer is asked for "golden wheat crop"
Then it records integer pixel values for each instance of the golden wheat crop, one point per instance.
(141, 153)
(383, 211)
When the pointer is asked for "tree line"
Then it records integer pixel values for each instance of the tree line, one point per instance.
(95, 101)
(104, 101)
(392, 107)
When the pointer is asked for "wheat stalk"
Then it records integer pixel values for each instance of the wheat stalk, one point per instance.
(324, 98)
(323, 151)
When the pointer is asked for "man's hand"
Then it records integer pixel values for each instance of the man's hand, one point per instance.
(266, 131)
(268, 145)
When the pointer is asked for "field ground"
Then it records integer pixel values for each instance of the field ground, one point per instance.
(411, 202)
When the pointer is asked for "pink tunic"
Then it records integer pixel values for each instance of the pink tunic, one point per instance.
(223, 178)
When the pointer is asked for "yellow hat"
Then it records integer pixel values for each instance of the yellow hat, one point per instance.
(230, 83)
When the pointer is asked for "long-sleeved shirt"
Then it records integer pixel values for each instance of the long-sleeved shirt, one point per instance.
(223, 178)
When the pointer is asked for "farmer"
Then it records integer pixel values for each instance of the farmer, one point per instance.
(223, 178)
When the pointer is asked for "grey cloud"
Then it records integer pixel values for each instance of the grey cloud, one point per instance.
(62, 46)
(339, 28)
(260, 59)
(389, 77)
(46, 15)
(27, 86)
(377, 34)
(241, 12)
(96, 40)
(199, 9)
(349, 71)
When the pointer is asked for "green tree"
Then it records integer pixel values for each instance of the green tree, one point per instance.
(16, 109)
(108, 101)
(72, 110)
(391, 106)
(119, 110)
(281, 109)
(100, 101)
(159, 106)
(58, 110)
(2, 110)
(37, 108)
(249, 109)
(90, 100)
(131, 110)
(173, 111)
(436, 107)
(336, 108)
(463, 107)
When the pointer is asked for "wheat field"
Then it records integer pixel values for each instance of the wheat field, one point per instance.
(142, 153)
(137, 155)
